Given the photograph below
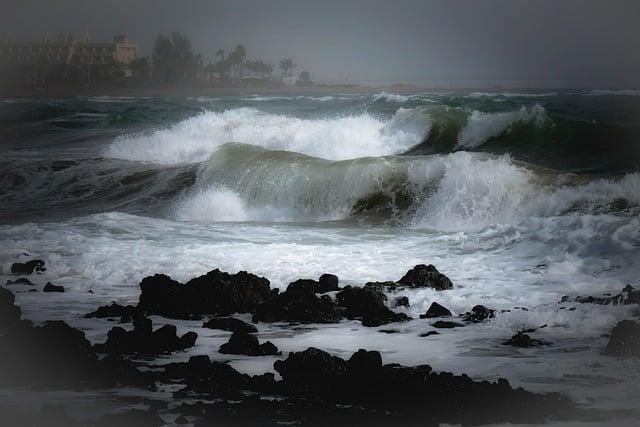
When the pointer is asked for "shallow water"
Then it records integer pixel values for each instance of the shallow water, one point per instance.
(110, 190)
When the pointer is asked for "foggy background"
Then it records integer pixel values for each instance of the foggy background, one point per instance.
(558, 43)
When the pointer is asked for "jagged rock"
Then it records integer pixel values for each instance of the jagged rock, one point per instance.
(411, 393)
(50, 287)
(521, 339)
(216, 292)
(368, 305)
(28, 267)
(243, 343)
(436, 310)
(442, 324)
(381, 287)
(9, 313)
(625, 339)
(114, 310)
(628, 295)
(479, 313)
(298, 303)
(426, 276)
(144, 340)
(230, 324)
(400, 302)
(20, 281)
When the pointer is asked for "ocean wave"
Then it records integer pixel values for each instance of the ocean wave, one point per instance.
(458, 191)
(195, 139)
(390, 97)
(612, 92)
(481, 126)
(511, 94)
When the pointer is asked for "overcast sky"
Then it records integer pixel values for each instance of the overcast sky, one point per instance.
(578, 43)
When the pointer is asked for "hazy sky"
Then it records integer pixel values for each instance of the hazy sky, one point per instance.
(586, 43)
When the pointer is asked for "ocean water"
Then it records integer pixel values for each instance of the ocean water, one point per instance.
(519, 198)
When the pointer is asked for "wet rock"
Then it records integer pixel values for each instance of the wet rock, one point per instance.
(625, 339)
(20, 281)
(410, 393)
(428, 334)
(50, 287)
(327, 283)
(114, 310)
(243, 343)
(298, 303)
(522, 340)
(230, 324)
(367, 305)
(628, 295)
(478, 314)
(400, 302)
(426, 276)
(35, 265)
(442, 324)
(144, 340)
(381, 287)
(9, 312)
(216, 292)
(436, 310)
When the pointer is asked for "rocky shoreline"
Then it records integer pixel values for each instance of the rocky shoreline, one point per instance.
(313, 387)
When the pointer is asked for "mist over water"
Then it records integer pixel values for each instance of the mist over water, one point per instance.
(520, 198)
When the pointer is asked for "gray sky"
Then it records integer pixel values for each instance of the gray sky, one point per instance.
(588, 43)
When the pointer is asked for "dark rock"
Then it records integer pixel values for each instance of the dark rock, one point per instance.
(428, 334)
(181, 420)
(312, 366)
(144, 340)
(243, 343)
(114, 310)
(436, 310)
(216, 292)
(50, 287)
(389, 331)
(230, 324)
(426, 276)
(479, 313)
(298, 303)
(522, 340)
(401, 302)
(20, 281)
(9, 313)
(368, 305)
(442, 324)
(625, 339)
(28, 267)
(628, 295)
(327, 283)
(381, 287)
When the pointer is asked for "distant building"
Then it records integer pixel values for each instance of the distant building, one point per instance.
(63, 49)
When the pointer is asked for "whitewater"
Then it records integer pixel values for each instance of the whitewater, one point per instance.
(519, 198)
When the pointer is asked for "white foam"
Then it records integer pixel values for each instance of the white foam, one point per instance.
(195, 139)
(620, 92)
(390, 97)
(510, 94)
(482, 126)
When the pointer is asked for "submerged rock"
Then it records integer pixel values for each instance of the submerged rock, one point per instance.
(478, 314)
(114, 310)
(35, 265)
(367, 305)
(625, 339)
(426, 276)
(144, 340)
(230, 324)
(628, 295)
(20, 281)
(443, 324)
(298, 303)
(523, 340)
(216, 292)
(243, 343)
(436, 310)
(401, 302)
(50, 287)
